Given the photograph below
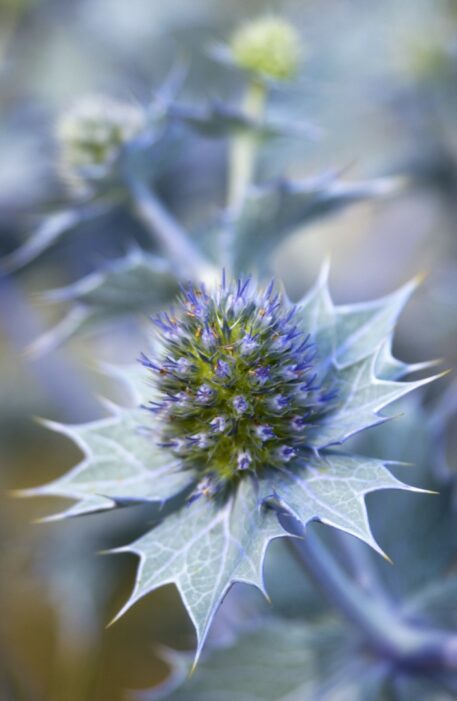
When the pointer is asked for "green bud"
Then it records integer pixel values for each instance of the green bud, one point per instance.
(428, 59)
(91, 135)
(268, 46)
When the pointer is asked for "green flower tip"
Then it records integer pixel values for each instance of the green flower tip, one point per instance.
(92, 132)
(268, 46)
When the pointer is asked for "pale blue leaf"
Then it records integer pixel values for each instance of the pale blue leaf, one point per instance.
(136, 284)
(47, 234)
(272, 211)
(122, 465)
(354, 359)
(360, 398)
(331, 488)
(203, 549)
(277, 661)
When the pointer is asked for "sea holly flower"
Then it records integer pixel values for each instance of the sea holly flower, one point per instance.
(240, 453)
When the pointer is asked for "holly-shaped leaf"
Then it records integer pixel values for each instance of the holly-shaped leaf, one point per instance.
(136, 284)
(281, 660)
(121, 466)
(277, 661)
(49, 232)
(272, 211)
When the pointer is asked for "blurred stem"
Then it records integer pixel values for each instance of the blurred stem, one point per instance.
(410, 645)
(243, 148)
(359, 561)
(168, 233)
(241, 166)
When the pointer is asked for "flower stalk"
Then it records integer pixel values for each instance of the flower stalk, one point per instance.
(243, 147)
(382, 626)
(168, 233)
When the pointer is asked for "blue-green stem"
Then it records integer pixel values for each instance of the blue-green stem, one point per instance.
(243, 148)
(171, 237)
(381, 624)
(359, 561)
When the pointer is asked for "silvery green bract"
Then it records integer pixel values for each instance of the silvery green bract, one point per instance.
(207, 544)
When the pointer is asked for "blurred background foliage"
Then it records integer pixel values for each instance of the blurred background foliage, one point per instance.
(379, 84)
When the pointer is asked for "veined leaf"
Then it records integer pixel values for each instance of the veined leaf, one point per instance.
(204, 548)
(361, 396)
(353, 343)
(121, 466)
(345, 334)
(331, 488)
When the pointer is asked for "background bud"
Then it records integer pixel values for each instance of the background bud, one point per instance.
(268, 46)
(91, 135)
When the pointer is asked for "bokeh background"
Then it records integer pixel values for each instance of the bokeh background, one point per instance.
(380, 82)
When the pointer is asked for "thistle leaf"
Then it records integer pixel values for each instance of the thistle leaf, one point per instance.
(121, 466)
(345, 334)
(331, 488)
(136, 284)
(282, 660)
(277, 661)
(204, 549)
(270, 212)
(48, 233)
(354, 356)
(218, 119)
(361, 396)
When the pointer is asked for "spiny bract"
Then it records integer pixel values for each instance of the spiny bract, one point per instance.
(237, 387)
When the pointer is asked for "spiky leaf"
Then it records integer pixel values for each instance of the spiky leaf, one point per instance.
(204, 548)
(50, 231)
(272, 211)
(276, 661)
(121, 466)
(293, 661)
(136, 284)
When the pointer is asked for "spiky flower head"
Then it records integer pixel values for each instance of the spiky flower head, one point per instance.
(267, 46)
(236, 382)
(92, 133)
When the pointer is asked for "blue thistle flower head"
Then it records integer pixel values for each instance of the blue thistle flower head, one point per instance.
(236, 380)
